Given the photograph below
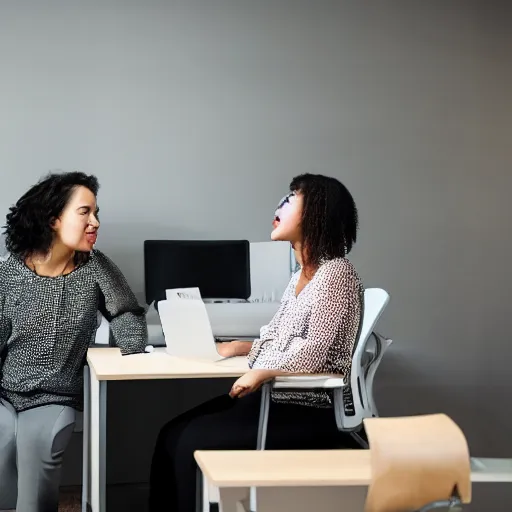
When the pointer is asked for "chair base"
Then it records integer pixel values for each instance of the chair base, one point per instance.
(453, 505)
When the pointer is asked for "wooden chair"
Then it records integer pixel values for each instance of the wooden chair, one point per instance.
(419, 463)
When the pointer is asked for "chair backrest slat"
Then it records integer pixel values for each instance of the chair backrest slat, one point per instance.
(416, 460)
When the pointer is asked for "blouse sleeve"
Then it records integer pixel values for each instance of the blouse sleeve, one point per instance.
(120, 307)
(5, 324)
(269, 332)
(333, 326)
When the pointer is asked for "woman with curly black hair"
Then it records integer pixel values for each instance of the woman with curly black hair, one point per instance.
(51, 287)
(313, 331)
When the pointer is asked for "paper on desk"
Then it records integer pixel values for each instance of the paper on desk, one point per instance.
(183, 293)
(186, 325)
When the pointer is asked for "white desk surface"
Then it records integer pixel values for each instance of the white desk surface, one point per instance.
(313, 468)
(109, 364)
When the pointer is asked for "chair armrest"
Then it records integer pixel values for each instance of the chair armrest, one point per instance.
(309, 382)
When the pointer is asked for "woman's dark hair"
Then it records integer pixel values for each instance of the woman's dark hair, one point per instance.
(329, 218)
(28, 229)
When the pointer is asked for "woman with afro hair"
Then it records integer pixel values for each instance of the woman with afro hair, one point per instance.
(313, 331)
(51, 287)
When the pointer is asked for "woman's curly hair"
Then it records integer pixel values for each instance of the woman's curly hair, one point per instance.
(329, 218)
(28, 229)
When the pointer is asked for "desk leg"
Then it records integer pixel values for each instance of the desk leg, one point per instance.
(98, 443)
(86, 438)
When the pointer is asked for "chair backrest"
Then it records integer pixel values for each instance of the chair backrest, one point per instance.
(375, 301)
(416, 461)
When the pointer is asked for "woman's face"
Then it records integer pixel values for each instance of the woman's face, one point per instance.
(287, 218)
(78, 224)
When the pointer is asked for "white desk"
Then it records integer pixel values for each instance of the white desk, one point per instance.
(319, 480)
(107, 364)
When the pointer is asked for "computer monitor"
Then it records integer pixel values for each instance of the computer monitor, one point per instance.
(219, 268)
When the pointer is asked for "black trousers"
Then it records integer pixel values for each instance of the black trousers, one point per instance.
(230, 424)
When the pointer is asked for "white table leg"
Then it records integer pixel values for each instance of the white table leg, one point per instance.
(86, 432)
(98, 407)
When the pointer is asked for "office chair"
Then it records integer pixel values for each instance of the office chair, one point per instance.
(353, 402)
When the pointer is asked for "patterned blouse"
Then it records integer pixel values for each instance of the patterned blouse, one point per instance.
(47, 324)
(315, 331)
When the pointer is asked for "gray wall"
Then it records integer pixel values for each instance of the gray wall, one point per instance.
(196, 114)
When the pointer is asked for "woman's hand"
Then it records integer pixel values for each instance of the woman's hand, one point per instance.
(233, 348)
(225, 349)
(250, 382)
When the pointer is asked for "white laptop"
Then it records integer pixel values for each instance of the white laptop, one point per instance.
(186, 326)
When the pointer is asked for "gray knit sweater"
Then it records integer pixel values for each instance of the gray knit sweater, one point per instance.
(47, 324)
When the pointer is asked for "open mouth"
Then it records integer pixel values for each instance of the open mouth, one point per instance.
(276, 222)
(91, 236)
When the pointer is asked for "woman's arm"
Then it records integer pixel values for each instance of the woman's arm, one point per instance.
(5, 326)
(252, 381)
(120, 307)
(333, 327)
(233, 348)
(270, 331)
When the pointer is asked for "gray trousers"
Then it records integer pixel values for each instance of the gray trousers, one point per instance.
(32, 445)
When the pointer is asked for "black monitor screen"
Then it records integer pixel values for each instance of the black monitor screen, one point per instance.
(219, 268)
